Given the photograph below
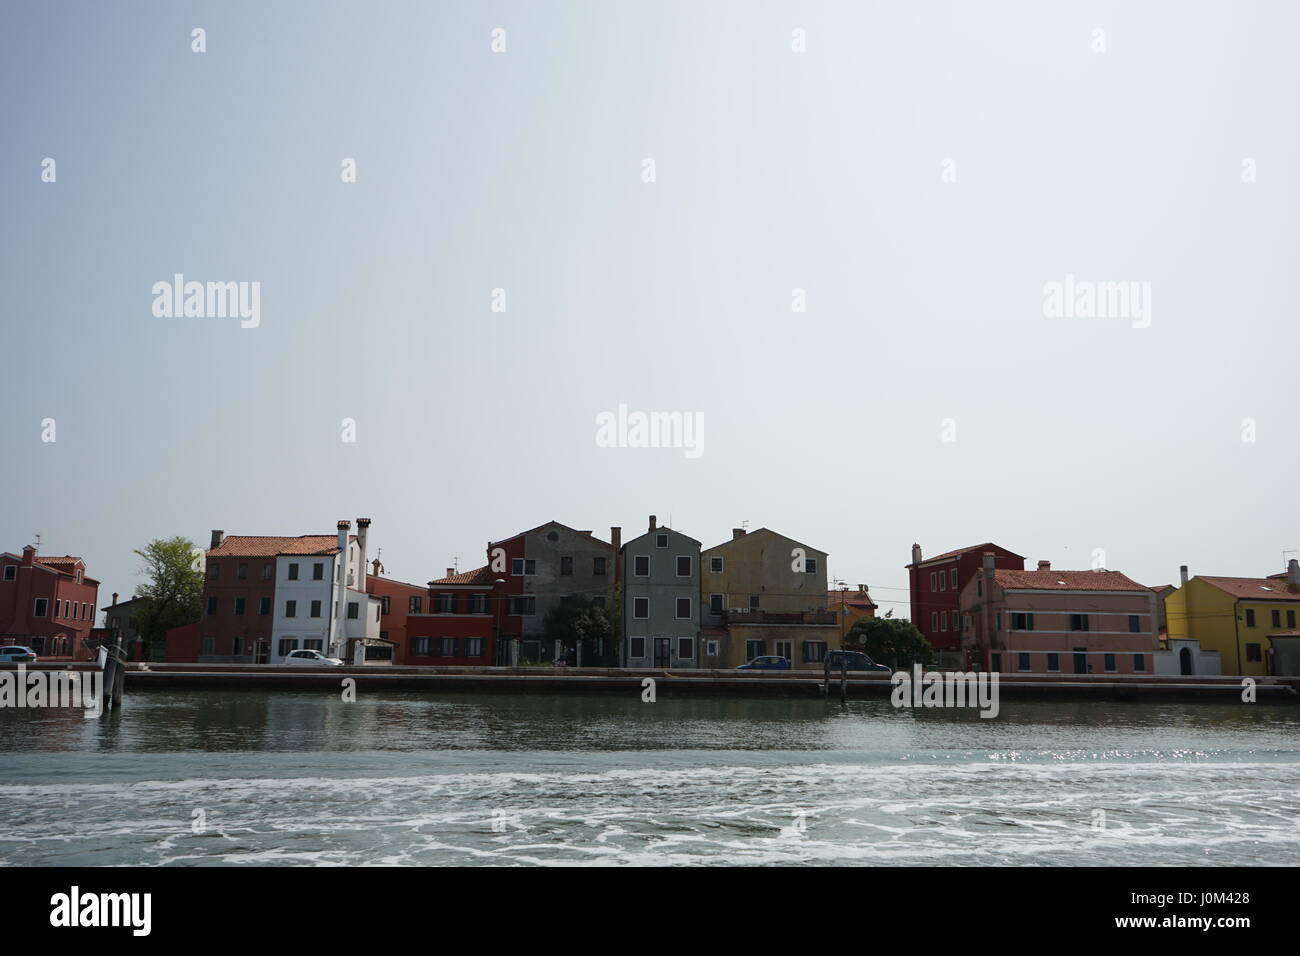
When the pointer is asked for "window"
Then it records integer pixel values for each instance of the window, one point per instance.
(473, 647)
(943, 621)
(42, 607)
(1022, 662)
(1253, 652)
(446, 604)
(1053, 662)
(239, 605)
(641, 566)
(1139, 663)
(414, 604)
(711, 648)
(954, 579)
(318, 571)
(995, 663)
(715, 565)
(686, 648)
(934, 621)
(522, 566)
(1290, 618)
(1134, 624)
(943, 581)
(683, 565)
(641, 609)
(315, 608)
(11, 572)
(979, 587)
(753, 649)
(313, 644)
(448, 647)
(1108, 663)
(293, 571)
(268, 571)
(287, 644)
(814, 652)
(238, 646)
(1078, 622)
(524, 606)
(636, 647)
(290, 608)
(58, 608)
(209, 645)
(785, 649)
(212, 605)
(1277, 618)
(1250, 618)
(421, 646)
(934, 583)
(753, 602)
(715, 603)
(264, 606)
(241, 572)
(1022, 621)
(810, 565)
(214, 570)
(353, 610)
(598, 567)
(661, 541)
(566, 565)
(683, 609)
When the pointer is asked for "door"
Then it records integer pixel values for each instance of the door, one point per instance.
(1080, 661)
(1185, 661)
(663, 651)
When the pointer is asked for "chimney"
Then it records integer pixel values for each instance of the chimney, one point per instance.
(114, 599)
(652, 522)
(1182, 572)
(375, 566)
(450, 572)
(1293, 574)
(862, 589)
(988, 564)
(217, 537)
(363, 531)
(29, 556)
(737, 533)
(616, 538)
(916, 554)
(340, 592)
(1044, 565)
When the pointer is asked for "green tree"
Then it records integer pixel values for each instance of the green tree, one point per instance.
(576, 619)
(172, 591)
(892, 641)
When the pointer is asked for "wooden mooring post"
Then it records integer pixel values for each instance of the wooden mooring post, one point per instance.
(114, 670)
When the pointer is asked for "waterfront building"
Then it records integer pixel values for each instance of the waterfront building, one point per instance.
(935, 584)
(47, 603)
(661, 599)
(762, 593)
(457, 619)
(1047, 622)
(398, 600)
(850, 606)
(1250, 622)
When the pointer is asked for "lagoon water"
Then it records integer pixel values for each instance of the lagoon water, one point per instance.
(206, 777)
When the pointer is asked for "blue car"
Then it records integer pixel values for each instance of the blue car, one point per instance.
(771, 663)
(15, 654)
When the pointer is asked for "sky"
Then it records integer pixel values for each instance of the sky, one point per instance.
(839, 269)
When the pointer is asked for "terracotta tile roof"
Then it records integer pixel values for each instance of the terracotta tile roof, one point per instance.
(855, 598)
(1257, 589)
(59, 562)
(483, 575)
(986, 546)
(269, 546)
(1163, 588)
(1099, 580)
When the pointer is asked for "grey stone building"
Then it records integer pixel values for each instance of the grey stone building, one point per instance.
(661, 596)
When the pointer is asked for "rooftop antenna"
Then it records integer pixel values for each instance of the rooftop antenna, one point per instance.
(745, 523)
(455, 563)
(1284, 554)
(38, 543)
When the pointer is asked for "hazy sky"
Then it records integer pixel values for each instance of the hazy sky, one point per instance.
(774, 171)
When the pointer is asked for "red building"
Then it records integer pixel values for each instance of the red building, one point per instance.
(400, 600)
(936, 585)
(47, 604)
(462, 616)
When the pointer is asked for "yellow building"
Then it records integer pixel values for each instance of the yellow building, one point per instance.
(850, 606)
(1238, 617)
(763, 594)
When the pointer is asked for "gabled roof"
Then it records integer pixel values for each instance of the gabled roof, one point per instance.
(775, 534)
(853, 598)
(661, 529)
(1253, 589)
(270, 546)
(544, 525)
(1099, 580)
(960, 551)
(483, 575)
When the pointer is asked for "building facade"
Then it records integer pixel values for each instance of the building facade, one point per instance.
(661, 599)
(936, 584)
(458, 620)
(1048, 622)
(47, 603)
(762, 593)
(1248, 621)
(398, 600)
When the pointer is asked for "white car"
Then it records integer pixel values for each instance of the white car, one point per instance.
(311, 658)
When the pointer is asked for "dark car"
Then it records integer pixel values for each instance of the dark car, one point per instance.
(853, 661)
(771, 663)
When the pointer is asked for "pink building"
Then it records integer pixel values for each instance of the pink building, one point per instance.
(1048, 622)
